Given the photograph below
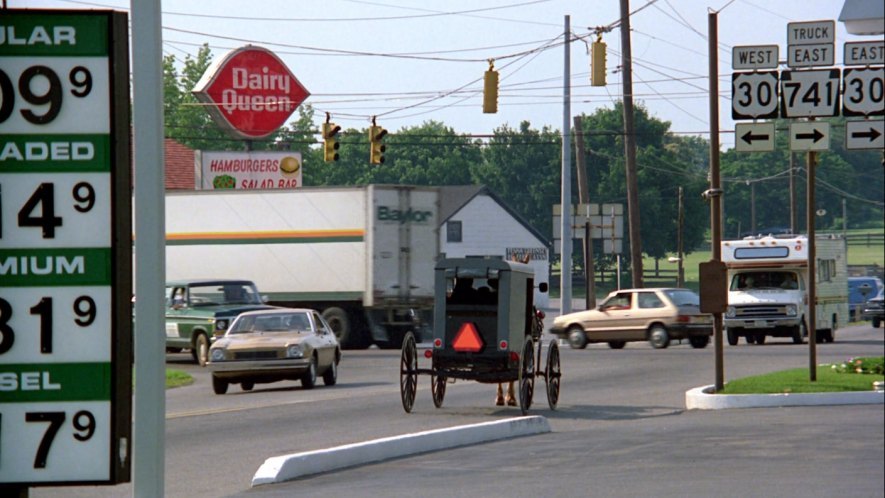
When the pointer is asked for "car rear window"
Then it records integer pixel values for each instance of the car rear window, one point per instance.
(683, 297)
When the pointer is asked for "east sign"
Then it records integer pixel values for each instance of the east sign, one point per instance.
(65, 249)
(250, 92)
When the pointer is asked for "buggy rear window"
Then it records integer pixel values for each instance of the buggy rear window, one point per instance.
(761, 252)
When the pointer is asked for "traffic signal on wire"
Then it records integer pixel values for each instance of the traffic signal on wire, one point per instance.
(330, 141)
(377, 148)
(490, 90)
(597, 63)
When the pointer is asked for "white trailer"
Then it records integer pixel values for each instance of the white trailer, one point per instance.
(768, 288)
(363, 256)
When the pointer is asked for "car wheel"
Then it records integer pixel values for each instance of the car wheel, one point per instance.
(699, 341)
(309, 379)
(732, 337)
(617, 344)
(247, 386)
(330, 376)
(876, 323)
(577, 339)
(750, 338)
(200, 351)
(219, 385)
(658, 337)
(760, 338)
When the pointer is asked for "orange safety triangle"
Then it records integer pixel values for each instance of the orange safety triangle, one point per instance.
(467, 339)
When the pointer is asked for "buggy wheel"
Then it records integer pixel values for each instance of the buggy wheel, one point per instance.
(527, 376)
(408, 372)
(437, 389)
(553, 374)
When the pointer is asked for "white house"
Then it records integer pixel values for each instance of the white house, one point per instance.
(476, 222)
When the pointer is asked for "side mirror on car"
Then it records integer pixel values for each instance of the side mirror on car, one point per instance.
(542, 287)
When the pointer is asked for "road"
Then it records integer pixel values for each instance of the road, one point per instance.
(621, 429)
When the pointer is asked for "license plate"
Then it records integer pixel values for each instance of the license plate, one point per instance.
(759, 324)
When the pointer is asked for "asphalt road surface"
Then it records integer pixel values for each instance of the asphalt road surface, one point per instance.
(621, 429)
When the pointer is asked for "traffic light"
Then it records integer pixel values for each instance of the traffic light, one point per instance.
(376, 151)
(597, 63)
(490, 90)
(330, 141)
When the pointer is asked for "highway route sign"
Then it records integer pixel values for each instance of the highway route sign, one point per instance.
(811, 43)
(867, 134)
(65, 249)
(812, 93)
(809, 136)
(754, 95)
(754, 57)
(754, 137)
(864, 53)
(864, 93)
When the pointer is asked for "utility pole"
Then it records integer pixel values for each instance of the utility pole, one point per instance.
(630, 148)
(565, 275)
(584, 198)
(752, 207)
(680, 272)
(794, 223)
(715, 192)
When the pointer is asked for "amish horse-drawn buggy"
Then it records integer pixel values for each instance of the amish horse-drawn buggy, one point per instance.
(486, 329)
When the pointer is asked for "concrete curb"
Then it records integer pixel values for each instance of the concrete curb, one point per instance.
(703, 398)
(288, 467)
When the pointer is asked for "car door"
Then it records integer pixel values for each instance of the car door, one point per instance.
(325, 340)
(651, 308)
(614, 318)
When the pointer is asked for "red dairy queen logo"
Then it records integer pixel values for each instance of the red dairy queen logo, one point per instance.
(250, 92)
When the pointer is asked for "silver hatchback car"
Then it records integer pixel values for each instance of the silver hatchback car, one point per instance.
(654, 315)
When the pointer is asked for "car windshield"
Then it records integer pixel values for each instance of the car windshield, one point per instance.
(229, 293)
(683, 297)
(271, 322)
(764, 280)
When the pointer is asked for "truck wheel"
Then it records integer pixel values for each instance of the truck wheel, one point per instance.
(576, 337)
(876, 322)
(340, 323)
(760, 338)
(699, 341)
(799, 333)
(200, 351)
(732, 337)
(658, 337)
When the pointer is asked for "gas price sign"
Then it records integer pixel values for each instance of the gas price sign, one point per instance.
(65, 248)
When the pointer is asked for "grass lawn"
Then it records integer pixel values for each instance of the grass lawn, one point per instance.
(177, 378)
(830, 378)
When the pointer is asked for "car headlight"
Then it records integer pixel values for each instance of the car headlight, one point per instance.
(791, 310)
(221, 324)
(294, 351)
(730, 312)
(217, 354)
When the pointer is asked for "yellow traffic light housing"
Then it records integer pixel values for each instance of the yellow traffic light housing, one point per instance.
(490, 90)
(376, 147)
(597, 62)
(330, 141)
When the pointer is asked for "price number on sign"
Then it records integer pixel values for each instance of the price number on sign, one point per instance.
(864, 93)
(84, 309)
(754, 95)
(42, 91)
(39, 210)
(806, 94)
(83, 423)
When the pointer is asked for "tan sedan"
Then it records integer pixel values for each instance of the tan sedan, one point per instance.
(653, 315)
(274, 345)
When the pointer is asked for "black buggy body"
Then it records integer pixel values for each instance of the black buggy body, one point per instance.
(485, 329)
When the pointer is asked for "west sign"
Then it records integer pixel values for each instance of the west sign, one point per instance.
(250, 92)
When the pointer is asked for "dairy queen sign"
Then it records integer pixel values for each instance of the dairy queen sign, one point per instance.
(250, 92)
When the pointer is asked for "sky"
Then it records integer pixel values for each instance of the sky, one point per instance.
(406, 62)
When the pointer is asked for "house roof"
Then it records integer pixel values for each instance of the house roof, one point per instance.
(179, 160)
(455, 197)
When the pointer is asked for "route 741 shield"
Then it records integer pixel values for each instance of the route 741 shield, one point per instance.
(807, 94)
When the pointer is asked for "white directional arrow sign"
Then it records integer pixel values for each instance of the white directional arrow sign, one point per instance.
(810, 136)
(865, 135)
(754, 137)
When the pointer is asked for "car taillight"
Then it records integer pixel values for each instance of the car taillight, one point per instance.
(683, 319)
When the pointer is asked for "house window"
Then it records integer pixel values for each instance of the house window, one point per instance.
(453, 231)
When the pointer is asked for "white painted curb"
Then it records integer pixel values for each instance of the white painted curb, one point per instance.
(703, 398)
(288, 467)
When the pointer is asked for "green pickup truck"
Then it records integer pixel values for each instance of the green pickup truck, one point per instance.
(198, 311)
